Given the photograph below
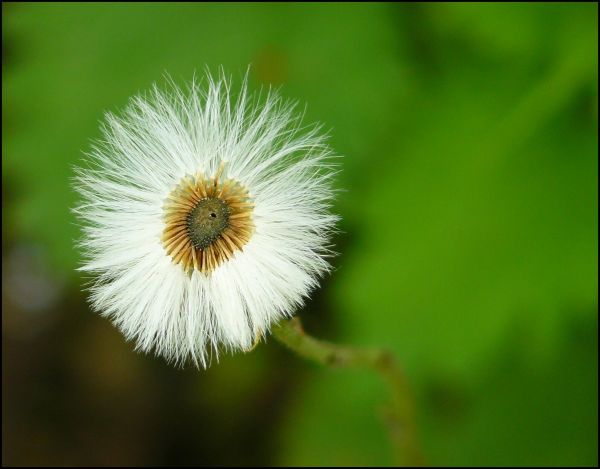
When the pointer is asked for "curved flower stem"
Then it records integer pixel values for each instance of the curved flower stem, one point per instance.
(399, 414)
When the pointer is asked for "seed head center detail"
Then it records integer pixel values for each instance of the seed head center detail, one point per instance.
(206, 221)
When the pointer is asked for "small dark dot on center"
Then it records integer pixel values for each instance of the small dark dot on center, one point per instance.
(213, 215)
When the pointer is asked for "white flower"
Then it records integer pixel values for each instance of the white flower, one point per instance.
(206, 218)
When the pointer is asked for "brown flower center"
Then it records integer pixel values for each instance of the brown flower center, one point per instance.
(206, 221)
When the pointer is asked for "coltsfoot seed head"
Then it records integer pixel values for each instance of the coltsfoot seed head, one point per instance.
(206, 218)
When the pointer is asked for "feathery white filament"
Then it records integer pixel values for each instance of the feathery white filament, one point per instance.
(146, 153)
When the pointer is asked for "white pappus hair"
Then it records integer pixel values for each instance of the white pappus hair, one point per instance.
(204, 141)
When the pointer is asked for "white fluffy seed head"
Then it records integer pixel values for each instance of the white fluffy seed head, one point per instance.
(161, 139)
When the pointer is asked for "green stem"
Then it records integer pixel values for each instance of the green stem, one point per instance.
(399, 414)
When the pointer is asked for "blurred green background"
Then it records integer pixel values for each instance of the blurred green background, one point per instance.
(469, 242)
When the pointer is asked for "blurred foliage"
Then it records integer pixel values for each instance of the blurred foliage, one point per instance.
(469, 242)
